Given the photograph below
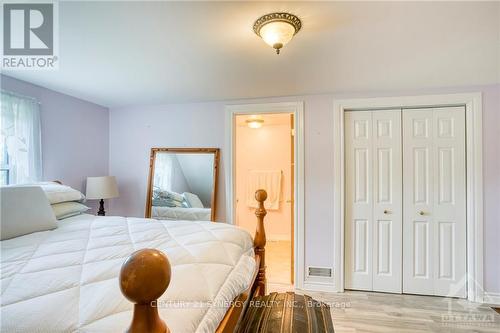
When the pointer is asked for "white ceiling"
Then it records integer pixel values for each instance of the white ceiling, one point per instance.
(127, 53)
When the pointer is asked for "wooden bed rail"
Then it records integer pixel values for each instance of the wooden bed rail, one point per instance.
(145, 276)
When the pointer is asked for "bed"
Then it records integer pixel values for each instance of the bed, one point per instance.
(180, 213)
(69, 279)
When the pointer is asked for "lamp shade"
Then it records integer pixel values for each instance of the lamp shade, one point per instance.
(102, 187)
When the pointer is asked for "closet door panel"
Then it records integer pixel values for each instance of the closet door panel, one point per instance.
(450, 202)
(418, 246)
(358, 197)
(373, 223)
(387, 202)
(434, 229)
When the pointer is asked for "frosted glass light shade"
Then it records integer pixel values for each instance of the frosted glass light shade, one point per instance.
(254, 124)
(277, 34)
(102, 187)
(255, 121)
(277, 29)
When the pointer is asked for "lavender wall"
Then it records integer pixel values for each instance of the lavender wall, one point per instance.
(79, 138)
(75, 140)
(491, 176)
(134, 130)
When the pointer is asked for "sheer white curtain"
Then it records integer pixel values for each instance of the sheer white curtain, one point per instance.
(163, 171)
(21, 146)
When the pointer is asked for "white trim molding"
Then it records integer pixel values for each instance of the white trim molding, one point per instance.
(491, 298)
(296, 108)
(474, 144)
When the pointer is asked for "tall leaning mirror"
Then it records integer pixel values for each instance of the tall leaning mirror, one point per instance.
(182, 183)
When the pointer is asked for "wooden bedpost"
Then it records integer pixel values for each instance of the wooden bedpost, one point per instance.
(259, 242)
(144, 277)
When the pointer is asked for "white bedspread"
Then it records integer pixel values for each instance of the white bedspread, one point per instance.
(181, 213)
(65, 280)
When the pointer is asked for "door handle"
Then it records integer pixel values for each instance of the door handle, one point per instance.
(421, 213)
(386, 211)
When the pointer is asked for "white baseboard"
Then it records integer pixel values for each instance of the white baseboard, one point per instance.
(488, 297)
(317, 283)
(491, 298)
(321, 287)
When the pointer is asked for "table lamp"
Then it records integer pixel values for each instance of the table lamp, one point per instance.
(101, 188)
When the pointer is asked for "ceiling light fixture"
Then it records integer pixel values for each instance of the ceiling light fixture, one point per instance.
(277, 29)
(255, 121)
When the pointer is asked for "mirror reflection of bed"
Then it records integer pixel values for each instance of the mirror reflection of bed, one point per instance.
(182, 184)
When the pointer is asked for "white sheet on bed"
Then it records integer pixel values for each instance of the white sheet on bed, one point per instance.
(66, 279)
(180, 213)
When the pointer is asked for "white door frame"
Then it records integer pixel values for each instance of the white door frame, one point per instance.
(474, 165)
(297, 109)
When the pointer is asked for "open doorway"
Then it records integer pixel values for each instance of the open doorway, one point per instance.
(264, 155)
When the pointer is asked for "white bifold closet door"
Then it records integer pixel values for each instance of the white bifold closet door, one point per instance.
(373, 196)
(434, 227)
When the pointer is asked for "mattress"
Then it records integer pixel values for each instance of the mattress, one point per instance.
(180, 213)
(66, 280)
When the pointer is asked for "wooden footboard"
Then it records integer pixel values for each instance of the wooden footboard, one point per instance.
(145, 276)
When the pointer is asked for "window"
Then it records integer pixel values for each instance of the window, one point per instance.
(4, 164)
(20, 150)
(163, 177)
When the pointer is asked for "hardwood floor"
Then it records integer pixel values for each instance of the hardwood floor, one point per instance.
(363, 312)
(278, 258)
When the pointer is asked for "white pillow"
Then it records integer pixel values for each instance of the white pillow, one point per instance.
(24, 210)
(57, 193)
(175, 196)
(166, 194)
(67, 209)
(192, 200)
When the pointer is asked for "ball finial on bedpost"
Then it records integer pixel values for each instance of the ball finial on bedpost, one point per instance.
(259, 241)
(260, 195)
(144, 277)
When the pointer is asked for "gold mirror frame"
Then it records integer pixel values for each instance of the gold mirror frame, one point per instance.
(154, 151)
